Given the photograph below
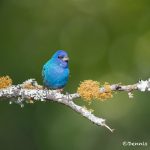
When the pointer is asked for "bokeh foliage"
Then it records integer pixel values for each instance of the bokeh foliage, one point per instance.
(106, 41)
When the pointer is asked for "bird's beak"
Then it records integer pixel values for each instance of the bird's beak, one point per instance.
(66, 59)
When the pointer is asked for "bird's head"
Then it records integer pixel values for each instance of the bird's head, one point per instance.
(61, 57)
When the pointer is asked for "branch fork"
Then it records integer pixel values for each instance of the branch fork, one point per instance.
(29, 91)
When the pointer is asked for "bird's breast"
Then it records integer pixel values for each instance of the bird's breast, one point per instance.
(56, 76)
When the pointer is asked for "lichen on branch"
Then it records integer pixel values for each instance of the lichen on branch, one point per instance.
(30, 91)
(89, 91)
(5, 81)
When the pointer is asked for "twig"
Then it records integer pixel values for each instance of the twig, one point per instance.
(140, 86)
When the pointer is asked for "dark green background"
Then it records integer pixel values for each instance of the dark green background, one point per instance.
(106, 41)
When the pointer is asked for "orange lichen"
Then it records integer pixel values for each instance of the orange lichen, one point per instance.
(5, 81)
(30, 86)
(90, 90)
(107, 94)
(107, 87)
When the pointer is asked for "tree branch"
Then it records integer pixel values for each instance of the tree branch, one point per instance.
(30, 91)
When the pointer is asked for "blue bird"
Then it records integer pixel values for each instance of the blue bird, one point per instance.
(55, 71)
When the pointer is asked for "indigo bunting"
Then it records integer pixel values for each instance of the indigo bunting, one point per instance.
(55, 71)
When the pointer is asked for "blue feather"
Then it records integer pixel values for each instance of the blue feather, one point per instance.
(56, 72)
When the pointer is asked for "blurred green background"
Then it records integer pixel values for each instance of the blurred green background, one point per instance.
(106, 41)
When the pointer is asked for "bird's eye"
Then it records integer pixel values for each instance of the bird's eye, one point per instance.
(60, 57)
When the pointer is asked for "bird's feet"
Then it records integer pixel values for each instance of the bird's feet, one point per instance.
(57, 90)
